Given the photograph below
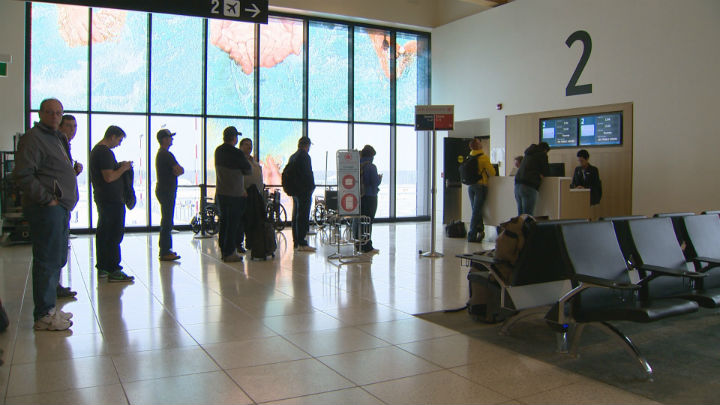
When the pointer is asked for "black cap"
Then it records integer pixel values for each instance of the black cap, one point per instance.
(164, 133)
(230, 132)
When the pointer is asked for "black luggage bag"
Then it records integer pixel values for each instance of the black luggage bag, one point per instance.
(455, 229)
(484, 302)
(262, 241)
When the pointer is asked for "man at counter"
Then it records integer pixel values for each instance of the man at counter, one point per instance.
(478, 192)
(587, 176)
(533, 168)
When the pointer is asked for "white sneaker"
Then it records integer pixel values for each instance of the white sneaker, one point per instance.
(52, 322)
(306, 248)
(64, 315)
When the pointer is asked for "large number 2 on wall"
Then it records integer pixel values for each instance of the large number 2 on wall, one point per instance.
(572, 88)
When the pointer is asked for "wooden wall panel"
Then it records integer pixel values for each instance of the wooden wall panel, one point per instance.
(613, 162)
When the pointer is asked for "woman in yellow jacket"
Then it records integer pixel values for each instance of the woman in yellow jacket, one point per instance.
(478, 191)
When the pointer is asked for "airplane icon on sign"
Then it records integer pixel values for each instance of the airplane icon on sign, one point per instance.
(232, 8)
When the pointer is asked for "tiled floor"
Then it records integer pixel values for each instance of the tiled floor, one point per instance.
(298, 329)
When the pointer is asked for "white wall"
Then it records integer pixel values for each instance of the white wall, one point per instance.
(12, 87)
(661, 55)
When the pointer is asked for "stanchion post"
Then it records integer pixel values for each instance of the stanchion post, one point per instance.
(433, 191)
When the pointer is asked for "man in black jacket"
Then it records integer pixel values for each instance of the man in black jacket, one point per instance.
(587, 176)
(533, 168)
(230, 167)
(305, 180)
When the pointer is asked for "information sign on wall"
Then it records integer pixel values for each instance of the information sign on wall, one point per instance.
(348, 174)
(434, 117)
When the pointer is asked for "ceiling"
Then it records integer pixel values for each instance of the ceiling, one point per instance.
(417, 14)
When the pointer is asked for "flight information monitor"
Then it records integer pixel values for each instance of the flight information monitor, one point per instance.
(601, 129)
(559, 132)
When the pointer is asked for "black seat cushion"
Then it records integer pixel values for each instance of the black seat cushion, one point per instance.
(636, 311)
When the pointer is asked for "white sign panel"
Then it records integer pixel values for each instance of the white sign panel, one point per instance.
(348, 174)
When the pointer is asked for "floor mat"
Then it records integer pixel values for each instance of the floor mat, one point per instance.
(683, 352)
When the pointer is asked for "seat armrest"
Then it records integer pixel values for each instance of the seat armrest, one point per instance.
(605, 283)
(482, 258)
(711, 260)
(671, 272)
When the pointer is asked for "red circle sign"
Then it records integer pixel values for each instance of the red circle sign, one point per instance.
(349, 202)
(348, 181)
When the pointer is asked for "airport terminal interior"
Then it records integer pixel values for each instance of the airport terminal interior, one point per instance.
(392, 326)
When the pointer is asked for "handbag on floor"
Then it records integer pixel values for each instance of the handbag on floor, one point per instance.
(4, 321)
(455, 229)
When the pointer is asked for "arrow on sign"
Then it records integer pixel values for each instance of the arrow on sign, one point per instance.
(255, 10)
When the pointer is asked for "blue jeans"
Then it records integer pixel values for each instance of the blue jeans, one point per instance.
(167, 212)
(231, 211)
(301, 219)
(478, 195)
(49, 233)
(526, 197)
(109, 235)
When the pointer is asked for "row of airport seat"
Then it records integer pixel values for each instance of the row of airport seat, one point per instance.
(631, 268)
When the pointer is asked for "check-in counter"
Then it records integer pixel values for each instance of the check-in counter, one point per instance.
(556, 200)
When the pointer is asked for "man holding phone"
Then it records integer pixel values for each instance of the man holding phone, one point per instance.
(106, 176)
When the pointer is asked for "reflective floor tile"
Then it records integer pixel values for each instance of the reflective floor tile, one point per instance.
(203, 388)
(254, 352)
(457, 350)
(381, 364)
(104, 394)
(335, 341)
(229, 332)
(349, 396)
(515, 375)
(441, 387)
(301, 323)
(32, 378)
(406, 330)
(147, 339)
(50, 346)
(163, 363)
(585, 392)
(287, 380)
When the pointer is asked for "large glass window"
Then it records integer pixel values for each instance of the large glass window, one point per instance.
(230, 65)
(134, 149)
(328, 71)
(59, 54)
(187, 148)
(372, 75)
(146, 71)
(378, 136)
(406, 179)
(177, 64)
(119, 61)
(281, 68)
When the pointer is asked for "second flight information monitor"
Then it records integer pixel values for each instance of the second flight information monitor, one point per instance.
(601, 129)
(559, 132)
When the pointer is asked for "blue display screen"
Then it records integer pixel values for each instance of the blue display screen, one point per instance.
(559, 132)
(601, 129)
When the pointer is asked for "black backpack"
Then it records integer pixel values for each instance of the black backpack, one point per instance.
(469, 173)
(289, 178)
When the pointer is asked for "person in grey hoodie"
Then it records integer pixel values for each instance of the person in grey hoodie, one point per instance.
(47, 180)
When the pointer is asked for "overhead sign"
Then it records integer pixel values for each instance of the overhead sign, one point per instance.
(434, 117)
(348, 174)
(255, 11)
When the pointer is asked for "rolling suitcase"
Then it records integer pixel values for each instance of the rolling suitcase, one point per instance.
(263, 243)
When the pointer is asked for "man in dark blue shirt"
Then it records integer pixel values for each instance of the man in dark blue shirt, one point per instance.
(305, 179)
(168, 170)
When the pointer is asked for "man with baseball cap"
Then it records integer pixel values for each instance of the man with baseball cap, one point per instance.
(168, 170)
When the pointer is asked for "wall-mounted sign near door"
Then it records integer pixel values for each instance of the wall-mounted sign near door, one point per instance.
(255, 11)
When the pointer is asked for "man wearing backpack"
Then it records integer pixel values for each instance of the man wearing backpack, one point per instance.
(299, 168)
(479, 163)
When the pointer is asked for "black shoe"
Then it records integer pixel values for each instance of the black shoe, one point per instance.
(241, 249)
(65, 292)
(120, 277)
